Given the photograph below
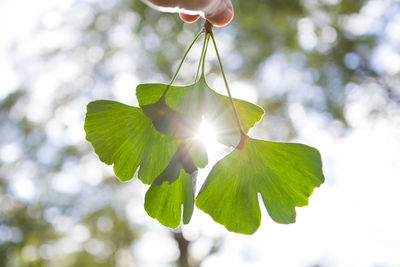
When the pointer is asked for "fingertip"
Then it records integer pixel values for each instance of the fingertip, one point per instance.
(223, 18)
(188, 18)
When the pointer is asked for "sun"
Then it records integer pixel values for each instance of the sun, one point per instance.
(206, 134)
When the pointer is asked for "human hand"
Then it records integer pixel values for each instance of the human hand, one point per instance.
(218, 12)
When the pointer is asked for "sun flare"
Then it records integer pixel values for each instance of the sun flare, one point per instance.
(206, 133)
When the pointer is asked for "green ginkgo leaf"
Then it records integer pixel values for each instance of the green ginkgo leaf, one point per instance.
(179, 111)
(197, 152)
(285, 174)
(122, 135)
(164, 202)
(175, 187)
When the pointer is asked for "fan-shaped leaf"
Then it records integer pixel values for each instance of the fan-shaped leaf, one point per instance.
(122, 135)
(164, 201)
(285, 175)
(179, 112)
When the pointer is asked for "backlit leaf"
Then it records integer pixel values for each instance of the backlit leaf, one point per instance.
(122, 135)
(164, 201)
(285, 175)
(180, 111)
(174, 187)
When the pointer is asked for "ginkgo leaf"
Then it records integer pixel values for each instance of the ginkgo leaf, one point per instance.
(179, 112)
(164, 201)
(168, 121)
(171, 188)
(122, 135)
(285, 175)
(198, 152)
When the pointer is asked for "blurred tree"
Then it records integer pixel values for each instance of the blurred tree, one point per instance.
(60, 209)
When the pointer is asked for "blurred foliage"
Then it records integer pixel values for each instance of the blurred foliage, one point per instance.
(101, 43)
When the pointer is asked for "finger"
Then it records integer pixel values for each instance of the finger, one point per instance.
(188, 18)
(222, 18)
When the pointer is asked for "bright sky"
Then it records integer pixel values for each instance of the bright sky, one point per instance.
(352, 220)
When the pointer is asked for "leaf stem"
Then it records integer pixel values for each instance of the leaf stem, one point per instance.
(207, 26)
(207, 39)
(201, 58)
(183, 60)
(239, 123)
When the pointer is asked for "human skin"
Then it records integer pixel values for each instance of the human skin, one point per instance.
(218, 12)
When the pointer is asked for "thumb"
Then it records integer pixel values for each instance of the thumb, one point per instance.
(219, 12)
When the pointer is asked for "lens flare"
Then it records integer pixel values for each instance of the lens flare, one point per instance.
(206, 133)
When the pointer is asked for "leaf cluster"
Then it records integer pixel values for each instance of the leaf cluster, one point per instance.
(158, 140)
